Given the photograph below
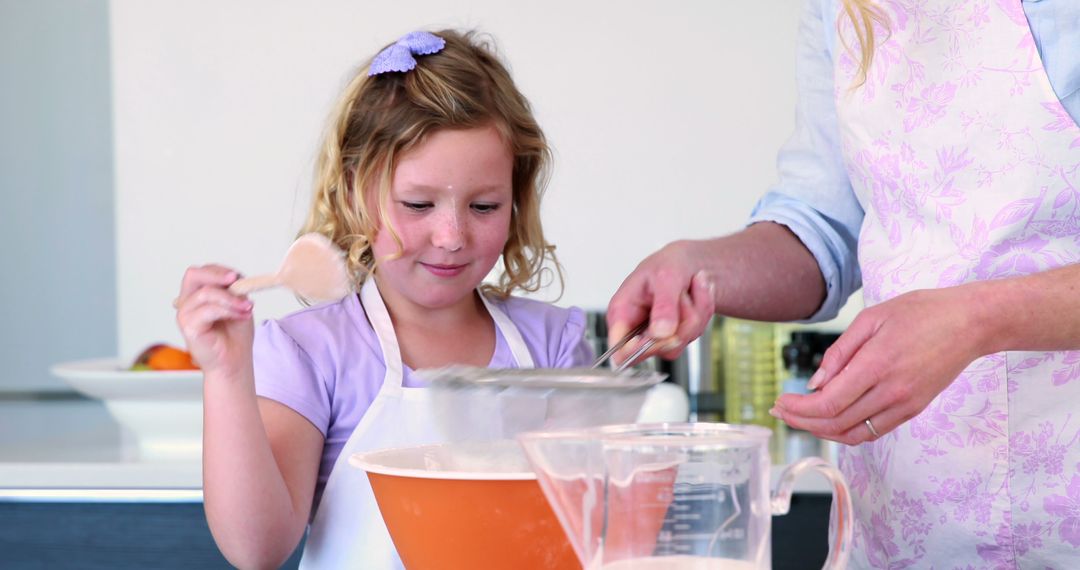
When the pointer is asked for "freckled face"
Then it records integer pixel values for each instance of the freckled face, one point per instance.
(450, 204)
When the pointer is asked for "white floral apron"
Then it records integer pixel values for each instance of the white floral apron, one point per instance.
(968, 168)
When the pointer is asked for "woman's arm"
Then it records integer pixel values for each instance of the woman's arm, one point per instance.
(896, 357)
(762, 272)
(1036, 312)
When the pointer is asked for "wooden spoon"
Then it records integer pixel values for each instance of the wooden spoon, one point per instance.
(314, 268)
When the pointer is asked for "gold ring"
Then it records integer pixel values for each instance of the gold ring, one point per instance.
(870, 426)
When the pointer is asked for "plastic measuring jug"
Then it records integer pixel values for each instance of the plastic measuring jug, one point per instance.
(673, 496)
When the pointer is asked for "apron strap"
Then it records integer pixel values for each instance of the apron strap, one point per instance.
(511, 333)
(384, 331)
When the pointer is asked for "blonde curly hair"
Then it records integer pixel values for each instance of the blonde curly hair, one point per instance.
(864, 16)
(380, 118)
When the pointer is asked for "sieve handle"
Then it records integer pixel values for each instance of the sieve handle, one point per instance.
(622, 342)
(633, 357)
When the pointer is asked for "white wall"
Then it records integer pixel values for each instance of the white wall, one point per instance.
(665, 118)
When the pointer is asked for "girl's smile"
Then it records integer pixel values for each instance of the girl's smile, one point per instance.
(444, 270)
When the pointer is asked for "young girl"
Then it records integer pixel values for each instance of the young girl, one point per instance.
(433, 169)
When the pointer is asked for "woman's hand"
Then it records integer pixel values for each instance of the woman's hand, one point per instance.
(216, 324)
(671, 291)
(892, 361)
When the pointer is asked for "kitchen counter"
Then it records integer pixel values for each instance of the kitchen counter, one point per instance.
(74, 492)
(72, 484)
(63, 447)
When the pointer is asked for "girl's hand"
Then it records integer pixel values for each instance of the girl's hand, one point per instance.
(670, 291)
(892, 361)
(216, 324)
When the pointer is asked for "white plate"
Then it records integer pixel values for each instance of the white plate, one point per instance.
(162, 410)
(108, 379)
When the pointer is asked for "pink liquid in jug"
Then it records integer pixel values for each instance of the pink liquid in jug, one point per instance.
(635, 509)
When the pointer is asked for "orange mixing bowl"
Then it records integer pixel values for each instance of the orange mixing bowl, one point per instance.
(455, 506)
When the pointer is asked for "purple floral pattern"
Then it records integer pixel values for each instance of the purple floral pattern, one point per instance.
(1066, 511)
(968, 168)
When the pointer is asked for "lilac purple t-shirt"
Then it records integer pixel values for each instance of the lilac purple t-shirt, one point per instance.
(325, 363)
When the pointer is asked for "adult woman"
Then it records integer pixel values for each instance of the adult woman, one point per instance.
(938, 168)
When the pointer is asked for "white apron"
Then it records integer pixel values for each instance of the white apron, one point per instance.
(348, 531)
(968, 168)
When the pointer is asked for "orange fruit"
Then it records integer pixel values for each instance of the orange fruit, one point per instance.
(164, 357)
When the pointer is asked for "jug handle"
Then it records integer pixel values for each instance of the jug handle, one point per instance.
(840, 519)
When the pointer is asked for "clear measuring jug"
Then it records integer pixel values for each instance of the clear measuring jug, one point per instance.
(691, 496)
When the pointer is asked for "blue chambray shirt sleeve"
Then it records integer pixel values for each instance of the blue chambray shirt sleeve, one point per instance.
(1055, 25)
(814, 198)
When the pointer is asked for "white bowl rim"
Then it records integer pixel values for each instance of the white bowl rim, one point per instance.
(368, 462)
(110, 367)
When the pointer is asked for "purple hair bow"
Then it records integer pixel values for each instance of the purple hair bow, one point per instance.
(399, 56)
